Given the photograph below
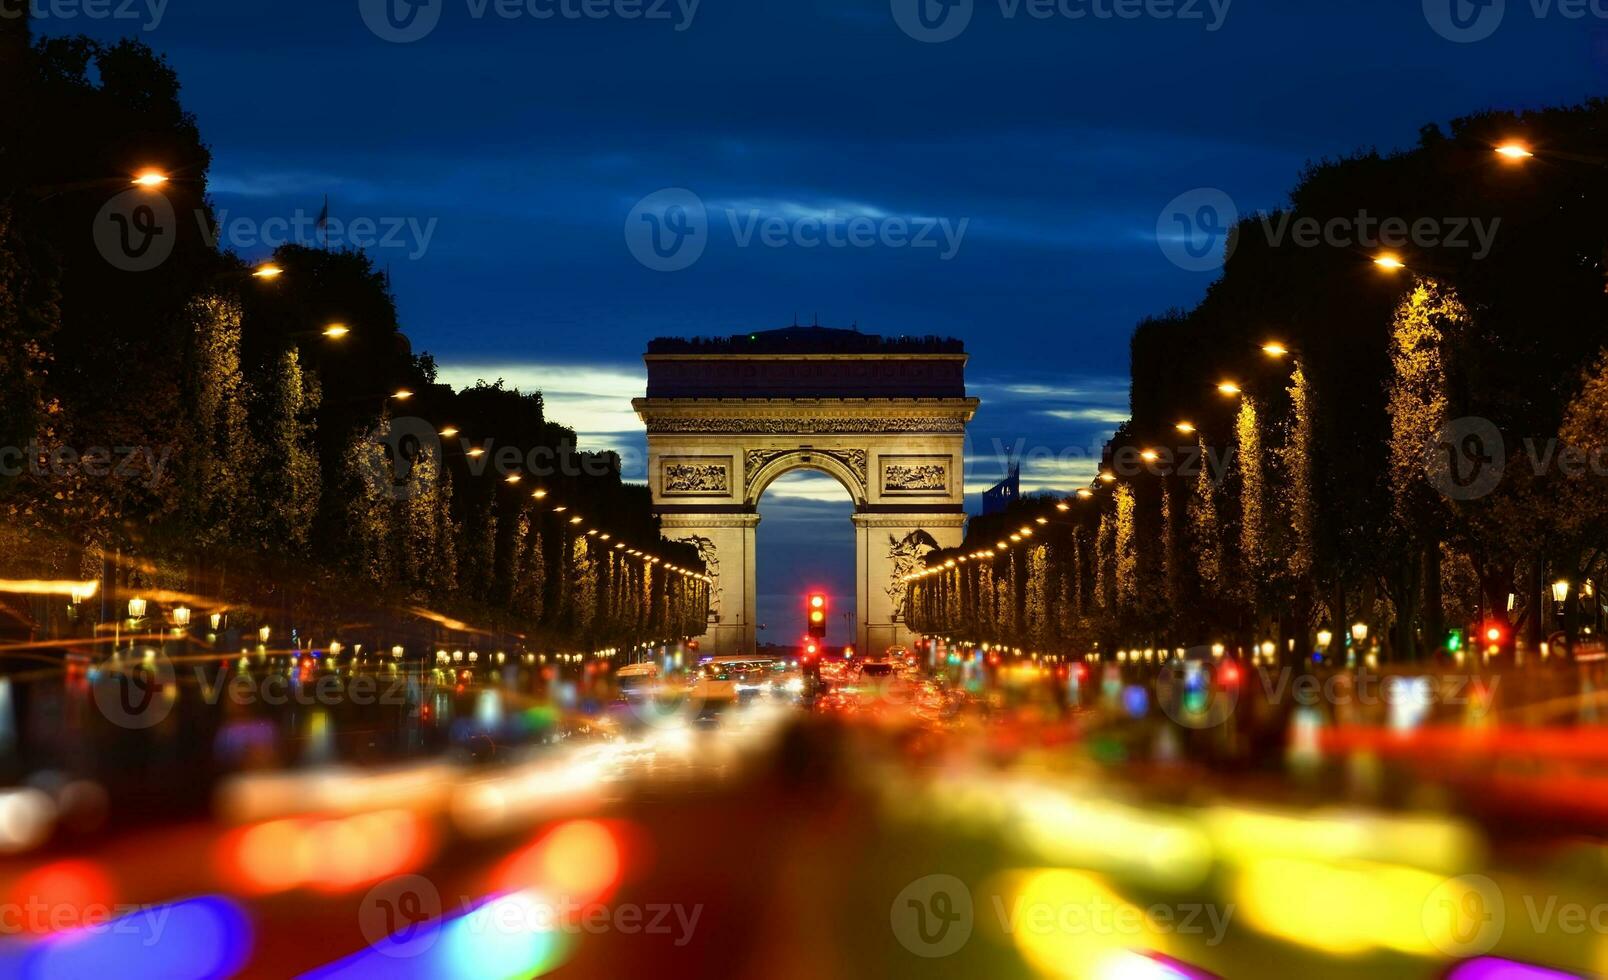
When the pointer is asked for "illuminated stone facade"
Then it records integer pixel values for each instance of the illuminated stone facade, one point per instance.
(885, 418)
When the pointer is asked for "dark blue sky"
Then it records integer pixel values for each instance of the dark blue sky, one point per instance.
(510, 152)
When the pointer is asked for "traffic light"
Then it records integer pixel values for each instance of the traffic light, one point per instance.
(815, 607)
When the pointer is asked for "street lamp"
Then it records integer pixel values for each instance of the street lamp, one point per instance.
(1275, 349)
(1560, 591)
(1359, 632)
(1325, 637)
(136, 608)
(268, 271)
(450, 432)
(1514, 152)
(264, 633)
(401, 395)
(150, 178)
(1187, 428)
(1229, 389)
(336, 331)
(1390, 262)
(181, 617)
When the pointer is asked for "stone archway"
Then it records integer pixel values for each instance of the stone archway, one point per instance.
(886, 418)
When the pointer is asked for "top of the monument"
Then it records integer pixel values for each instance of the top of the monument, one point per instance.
(806, 340)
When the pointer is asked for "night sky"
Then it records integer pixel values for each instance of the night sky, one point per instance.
(509, 152)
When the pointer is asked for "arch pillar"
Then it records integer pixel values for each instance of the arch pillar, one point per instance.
(725, 541)
(888, 546)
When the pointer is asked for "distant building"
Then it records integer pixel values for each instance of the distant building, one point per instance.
(999, 498)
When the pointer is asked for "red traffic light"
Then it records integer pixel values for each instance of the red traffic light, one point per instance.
(815, 604)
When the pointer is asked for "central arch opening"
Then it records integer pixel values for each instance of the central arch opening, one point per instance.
(804, 543)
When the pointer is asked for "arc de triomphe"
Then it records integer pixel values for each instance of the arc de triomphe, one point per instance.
(885, 417)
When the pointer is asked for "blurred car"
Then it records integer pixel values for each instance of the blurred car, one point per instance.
(637, 682)
(731, 677)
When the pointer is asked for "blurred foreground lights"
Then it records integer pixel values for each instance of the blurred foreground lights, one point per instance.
(1354, 908)
(581, 860)
(1491, 968)
(332, 855)
(190, 940)
(26, 818)
(509, 936)
(1056, 945)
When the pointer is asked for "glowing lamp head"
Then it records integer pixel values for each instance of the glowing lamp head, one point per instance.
(1390, 262)
(150, 178)
(336, 331)
(1275, 349)
(1187, 428)
(1229, 388)
(1514, 152)
(268, 271)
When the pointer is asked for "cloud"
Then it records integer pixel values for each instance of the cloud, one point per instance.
(828, 211)
(1109, 416)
